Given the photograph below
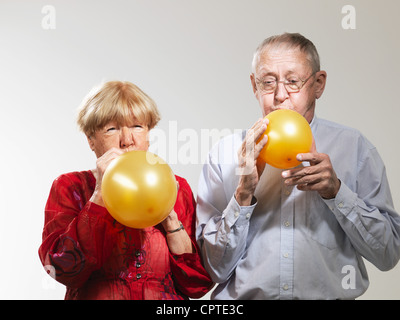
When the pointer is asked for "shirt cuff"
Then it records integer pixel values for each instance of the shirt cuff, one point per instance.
(343, 203)
(234, 214)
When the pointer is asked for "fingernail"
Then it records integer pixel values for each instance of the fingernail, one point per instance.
(285, 174)
(299, 157)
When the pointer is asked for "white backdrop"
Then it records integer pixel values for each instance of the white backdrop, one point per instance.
(193, 57)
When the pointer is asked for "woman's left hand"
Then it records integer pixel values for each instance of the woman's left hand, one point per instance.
(171, 222)
(178, 241)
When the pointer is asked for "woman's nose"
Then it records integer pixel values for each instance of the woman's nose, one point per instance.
(126, 138)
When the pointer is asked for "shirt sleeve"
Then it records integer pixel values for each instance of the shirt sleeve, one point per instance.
(188, 271)
(222, 226)
(367, 214)
(77, 236)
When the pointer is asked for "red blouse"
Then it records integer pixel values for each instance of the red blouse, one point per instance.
(98, 258)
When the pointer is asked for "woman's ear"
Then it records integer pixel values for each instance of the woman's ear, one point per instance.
(91, 143)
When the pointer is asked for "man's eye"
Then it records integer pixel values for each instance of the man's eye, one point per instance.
(293, 81)
(268, 82)
(111, 129)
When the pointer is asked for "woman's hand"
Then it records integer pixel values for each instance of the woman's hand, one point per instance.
(101, 166)
(171, 222)
(178, 242)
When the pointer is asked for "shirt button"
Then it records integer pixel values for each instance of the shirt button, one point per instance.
(236, 214)
(137, 253)
(340, 205)
(138, 276)
(286, 255)
(287, 192)
(286, 223)
(285, 287)
(248, 216)
(138, 265)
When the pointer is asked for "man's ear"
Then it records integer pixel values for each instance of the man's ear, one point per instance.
(253, 83)
(320, 83)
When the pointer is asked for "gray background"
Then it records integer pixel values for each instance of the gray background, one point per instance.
(194, 59)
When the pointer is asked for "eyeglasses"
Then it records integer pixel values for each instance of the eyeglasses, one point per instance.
(292, 85)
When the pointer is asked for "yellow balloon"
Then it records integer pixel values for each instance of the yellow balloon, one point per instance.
(139, 189)
(288, 134)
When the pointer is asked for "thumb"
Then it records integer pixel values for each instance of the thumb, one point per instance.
(313, 149)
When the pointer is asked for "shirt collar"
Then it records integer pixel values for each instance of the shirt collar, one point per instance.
(313, 123)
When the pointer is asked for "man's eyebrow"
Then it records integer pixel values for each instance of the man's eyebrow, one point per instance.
(267, 73)
(291, 72)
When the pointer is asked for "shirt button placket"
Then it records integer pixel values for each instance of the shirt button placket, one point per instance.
(287, 234)
(138, 264)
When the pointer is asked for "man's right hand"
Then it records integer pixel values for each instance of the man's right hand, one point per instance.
(250, 169)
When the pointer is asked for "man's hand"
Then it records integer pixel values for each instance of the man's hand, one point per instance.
(319, 176)
(250, 169)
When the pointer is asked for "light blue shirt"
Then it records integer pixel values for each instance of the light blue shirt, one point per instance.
(293, 244)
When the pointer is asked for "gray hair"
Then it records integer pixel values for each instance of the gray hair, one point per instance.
(290, 40)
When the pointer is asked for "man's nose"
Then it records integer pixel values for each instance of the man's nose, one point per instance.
(281, 93)
(126, 138)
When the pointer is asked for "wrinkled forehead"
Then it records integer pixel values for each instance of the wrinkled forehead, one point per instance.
(280, 59)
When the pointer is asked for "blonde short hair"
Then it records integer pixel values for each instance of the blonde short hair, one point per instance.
(118, 101)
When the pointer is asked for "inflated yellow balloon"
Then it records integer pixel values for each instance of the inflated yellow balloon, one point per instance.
(139, 189)
(288, 134)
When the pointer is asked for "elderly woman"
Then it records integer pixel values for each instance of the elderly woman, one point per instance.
(92, 254)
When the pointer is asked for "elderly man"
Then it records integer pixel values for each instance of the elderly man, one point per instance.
(267, 233)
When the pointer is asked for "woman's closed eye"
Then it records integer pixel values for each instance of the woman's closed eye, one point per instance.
(111, 129)
(137, 127)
